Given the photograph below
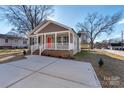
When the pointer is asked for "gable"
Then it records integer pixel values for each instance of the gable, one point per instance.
(36, 28)
(51, 27)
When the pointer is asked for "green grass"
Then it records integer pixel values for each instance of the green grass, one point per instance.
(10, 51)
(82, 54)
(5, 53)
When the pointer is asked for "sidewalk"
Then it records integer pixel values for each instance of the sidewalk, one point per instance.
(117, 52)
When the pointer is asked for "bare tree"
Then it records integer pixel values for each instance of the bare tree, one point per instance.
(25, 17)
(96, 24)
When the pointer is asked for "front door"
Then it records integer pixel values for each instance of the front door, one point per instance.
(49, 39)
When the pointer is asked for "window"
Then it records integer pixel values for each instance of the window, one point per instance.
(62, 39)
(24, 42)
(59, 39)
(6, 40)
(35, 40)
(16, 41)
(65, 39)
(31, 41)
(39, 39)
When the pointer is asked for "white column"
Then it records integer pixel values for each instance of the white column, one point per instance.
(37, 39)
(28, 42)
(69, 39)
(79, 41)
(73, 40)
(55, 41)
(44, 41)
(37, 43)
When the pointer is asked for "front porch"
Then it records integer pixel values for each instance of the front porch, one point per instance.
(52, 41)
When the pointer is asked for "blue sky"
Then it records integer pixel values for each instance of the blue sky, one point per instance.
(71, 15)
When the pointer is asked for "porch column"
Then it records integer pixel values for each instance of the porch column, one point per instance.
(79, 44)
(44, 41)
(37, 40)
(73, 40)
(29, 42)
(37, 43)
(69, 39)
(55, 41)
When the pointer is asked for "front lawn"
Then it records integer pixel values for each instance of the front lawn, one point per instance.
(10, 51)
(82, 54)
(15, 58)
(112, 66)
(110, 54)
(8, 55)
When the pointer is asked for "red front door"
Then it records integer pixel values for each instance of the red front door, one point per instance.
(49, 39)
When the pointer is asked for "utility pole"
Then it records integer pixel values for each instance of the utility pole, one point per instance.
(122, 39)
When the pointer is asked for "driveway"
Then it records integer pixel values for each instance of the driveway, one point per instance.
(47, 72)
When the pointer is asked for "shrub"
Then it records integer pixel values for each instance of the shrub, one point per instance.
(24, 52)
(101, 63)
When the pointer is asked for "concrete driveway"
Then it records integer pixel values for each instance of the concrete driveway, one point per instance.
(41, 71)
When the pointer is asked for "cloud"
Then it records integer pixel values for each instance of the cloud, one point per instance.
(121, 22)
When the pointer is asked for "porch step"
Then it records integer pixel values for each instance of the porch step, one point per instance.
(36, 52)
(28, 52)
(58, 53)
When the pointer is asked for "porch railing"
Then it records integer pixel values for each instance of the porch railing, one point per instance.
(59, 46)
(34, 47)
(52, 46)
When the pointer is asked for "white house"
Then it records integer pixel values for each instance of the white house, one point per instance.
(9, 41)
(54, 39)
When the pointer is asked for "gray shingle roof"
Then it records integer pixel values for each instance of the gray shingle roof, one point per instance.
(10, 36)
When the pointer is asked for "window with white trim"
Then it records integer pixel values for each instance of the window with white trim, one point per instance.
(6, 40)
(24, 41)
(59, 39)
(65, 39)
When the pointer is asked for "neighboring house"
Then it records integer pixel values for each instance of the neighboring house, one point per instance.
(54, 39)
(9, 41)
(84, 40)
(116, 46)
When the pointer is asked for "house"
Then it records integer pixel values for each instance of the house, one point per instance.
(116, 44)
(54, 39)
(9, 41)
(84, 40)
